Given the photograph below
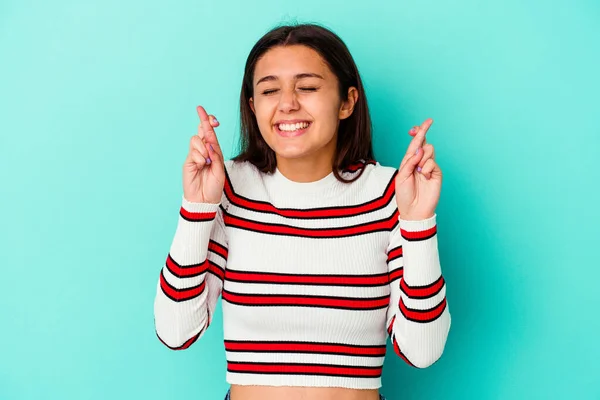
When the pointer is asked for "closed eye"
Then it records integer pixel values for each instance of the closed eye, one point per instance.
(304, 89)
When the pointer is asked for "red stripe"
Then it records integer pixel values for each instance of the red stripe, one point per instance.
(308, 369)
(328, 212)
(394, 253)
(333, 280)
(197, 216)
(299, 347)
(397, 273)
(356, 166)
(180, 294)
(423, 315)
(400, 353)
(218, 249)
(419, 235)
(276, 229)
(395, 343)
(216, 270)
(187, 270)
(315, 301)
(391, 327)
(422, 292)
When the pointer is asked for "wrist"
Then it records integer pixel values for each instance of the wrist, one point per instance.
(416, 217)
(202, 206)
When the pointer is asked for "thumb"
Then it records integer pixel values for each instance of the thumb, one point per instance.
(409, 166)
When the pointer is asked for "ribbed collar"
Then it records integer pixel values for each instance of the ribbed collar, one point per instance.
(324, 184)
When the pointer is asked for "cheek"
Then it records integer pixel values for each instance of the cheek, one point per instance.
(263, 111)
(326, 112)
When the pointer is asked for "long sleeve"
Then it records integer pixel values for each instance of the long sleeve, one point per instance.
(418, 318)
(191, 280)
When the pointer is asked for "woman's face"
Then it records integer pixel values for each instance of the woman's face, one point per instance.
(297, 104)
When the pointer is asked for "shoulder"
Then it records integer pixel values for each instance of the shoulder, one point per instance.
(374, 173)
(240, 170)
(374, 178)
(240, 175)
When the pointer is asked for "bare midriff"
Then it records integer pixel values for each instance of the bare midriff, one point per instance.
(239, 392)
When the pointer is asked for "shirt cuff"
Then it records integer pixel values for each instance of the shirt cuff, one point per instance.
(420, 225)
(198, 207)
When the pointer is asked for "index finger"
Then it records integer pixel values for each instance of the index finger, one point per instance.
(209, 133)
(204, 119)
(417, 141)
(419, 138)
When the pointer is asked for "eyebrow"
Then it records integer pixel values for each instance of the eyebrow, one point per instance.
(298, 76)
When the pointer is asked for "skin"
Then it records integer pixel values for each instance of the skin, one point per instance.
(285, 90)
(288, 95)
(419, 179)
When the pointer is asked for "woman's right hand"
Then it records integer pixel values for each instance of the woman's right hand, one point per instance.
(204, 167)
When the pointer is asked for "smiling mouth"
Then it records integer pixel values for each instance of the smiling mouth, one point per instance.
(291, 130)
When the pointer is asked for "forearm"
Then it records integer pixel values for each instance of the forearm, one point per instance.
(180, 306)
(421, 320)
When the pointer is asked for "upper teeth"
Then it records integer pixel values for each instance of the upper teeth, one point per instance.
(293, 127)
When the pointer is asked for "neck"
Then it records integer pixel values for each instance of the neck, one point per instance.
(306, 169)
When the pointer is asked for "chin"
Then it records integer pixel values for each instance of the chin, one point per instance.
(291, 150)
(291, 153)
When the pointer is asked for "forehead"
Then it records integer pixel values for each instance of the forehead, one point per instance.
(285, 62)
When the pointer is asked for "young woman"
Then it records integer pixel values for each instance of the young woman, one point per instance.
(317, 250)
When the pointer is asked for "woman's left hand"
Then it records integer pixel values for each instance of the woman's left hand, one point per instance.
(419, 179)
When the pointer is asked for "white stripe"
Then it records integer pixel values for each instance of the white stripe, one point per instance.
(424, 304)
(182, 283)
(308, 290)
(304, 324)
(313, 358)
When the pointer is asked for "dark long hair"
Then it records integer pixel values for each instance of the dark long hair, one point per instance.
(354, 133)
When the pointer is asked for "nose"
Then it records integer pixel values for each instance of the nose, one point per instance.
(288, 101)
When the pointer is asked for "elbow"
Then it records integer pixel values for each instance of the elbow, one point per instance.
(421, 358)
(175, 327)
(174, 336)
(176, 343)
(424, 357)
(425, 360)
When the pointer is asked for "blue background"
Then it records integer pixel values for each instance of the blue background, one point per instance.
(97, 105)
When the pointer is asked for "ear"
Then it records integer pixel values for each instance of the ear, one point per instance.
(348, 105)
(251, 102)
